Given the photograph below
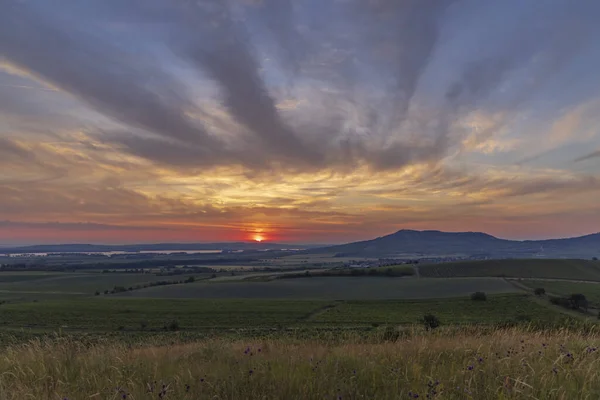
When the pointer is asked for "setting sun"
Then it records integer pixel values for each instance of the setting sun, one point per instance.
(258, 238)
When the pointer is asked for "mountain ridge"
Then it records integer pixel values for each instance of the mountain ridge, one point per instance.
(437, 243)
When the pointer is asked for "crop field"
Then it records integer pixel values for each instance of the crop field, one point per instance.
(110, 314)
(334, 288)
(38, 285)
(590, 290)
(497, 309)
(586, 270)
(131, 314)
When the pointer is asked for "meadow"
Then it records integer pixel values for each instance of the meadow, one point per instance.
(503, 364)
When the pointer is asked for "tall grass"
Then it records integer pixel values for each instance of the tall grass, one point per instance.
(452, 364)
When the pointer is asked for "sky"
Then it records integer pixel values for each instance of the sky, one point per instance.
(298, 121)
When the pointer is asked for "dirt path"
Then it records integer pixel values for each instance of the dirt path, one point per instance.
(545, 301)
(552, 280)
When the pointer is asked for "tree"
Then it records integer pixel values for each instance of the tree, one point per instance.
(594, 258)
(578, 301)
(430, 322)
(97, 293)
(539, 291)
(479, 296)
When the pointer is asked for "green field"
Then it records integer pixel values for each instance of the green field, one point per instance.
(497, 309)
(330, 288)
(107, 314)
(586, 270)
(110, 314)
(590, 290)
(38, 286)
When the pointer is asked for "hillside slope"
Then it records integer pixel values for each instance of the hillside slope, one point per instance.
(436, 243)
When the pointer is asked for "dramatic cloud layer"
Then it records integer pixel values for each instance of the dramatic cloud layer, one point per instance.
(314, 120)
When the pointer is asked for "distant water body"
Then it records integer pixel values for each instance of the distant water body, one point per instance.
(111, 253)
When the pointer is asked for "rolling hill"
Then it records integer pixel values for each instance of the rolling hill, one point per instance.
(409, 243)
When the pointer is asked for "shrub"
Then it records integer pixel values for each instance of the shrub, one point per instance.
(430, 322)
(594, 258)
(97, 293)
(478, 296)
(390, 334)
(539, 291)
(578, 301)
(172, 326)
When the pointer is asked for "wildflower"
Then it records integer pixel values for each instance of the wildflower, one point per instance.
(187, 387)
(470, 368)
(250, 372)
(480, 359)
(354, 372)
(124, 396)
(201, 379)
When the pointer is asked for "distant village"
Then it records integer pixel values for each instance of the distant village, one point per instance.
(386, 262)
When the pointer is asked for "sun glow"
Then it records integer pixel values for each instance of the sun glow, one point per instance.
(258, 238)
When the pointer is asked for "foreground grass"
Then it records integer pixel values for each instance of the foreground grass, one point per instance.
(503, 364)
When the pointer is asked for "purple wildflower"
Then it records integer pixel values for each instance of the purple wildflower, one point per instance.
(470, 368)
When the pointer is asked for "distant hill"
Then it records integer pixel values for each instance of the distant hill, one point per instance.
(97, 248)
(436, 243)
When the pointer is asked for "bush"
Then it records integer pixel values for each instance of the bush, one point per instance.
(390, 334)
(478, 296)
(539, 291)
(430, 322)
(578, 301)
(97, 293)
(594, 258)
(172, 326)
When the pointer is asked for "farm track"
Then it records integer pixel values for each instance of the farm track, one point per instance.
(544, 301)
(318, 311)
(553, 280)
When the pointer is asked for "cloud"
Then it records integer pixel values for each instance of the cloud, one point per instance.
(589, 156)
(309, 115)
(77, 226)
(74, 59)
